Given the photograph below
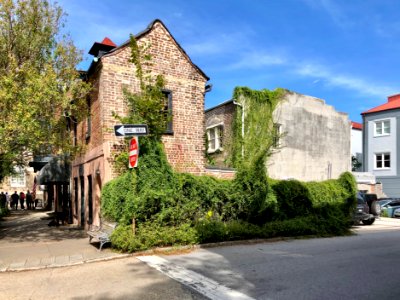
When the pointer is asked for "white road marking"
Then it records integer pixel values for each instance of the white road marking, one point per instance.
(200, 283)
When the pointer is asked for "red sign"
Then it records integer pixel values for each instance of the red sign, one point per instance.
(133, 152)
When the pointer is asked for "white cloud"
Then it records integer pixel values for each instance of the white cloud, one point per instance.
(330, 78)
(219, 42)
(255, 60)
(336, 13)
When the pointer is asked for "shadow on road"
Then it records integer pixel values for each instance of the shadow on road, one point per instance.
(32, 226)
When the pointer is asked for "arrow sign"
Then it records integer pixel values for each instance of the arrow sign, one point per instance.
(131, 130)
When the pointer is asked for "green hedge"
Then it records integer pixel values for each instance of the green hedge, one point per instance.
(172, 208)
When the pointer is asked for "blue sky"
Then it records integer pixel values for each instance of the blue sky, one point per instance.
(345, 52)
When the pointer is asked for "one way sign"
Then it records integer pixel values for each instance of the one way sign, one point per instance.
(131, 130)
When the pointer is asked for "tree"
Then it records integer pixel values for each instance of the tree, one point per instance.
(355, 164)
(39, 83)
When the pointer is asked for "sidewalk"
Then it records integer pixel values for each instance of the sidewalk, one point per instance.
(28, 243)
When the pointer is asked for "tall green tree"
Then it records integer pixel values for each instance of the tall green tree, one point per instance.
(39, 83)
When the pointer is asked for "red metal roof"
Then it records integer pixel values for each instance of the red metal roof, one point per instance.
(108, 42)
(356, 125)
(393, 103)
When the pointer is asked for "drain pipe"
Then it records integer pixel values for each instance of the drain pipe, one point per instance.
(242, 106)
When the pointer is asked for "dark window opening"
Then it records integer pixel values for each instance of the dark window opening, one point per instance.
(90, 200)
(76, 195)
(82, 180)
(276, 135)
(168, 110)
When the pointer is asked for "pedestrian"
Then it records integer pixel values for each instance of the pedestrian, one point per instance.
(8, 200)
(22, 200)
(14, 200)
(29, 201)
(59, 213)
(3, 200)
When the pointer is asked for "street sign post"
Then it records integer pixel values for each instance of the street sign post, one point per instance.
(131, 130)
(133, 152)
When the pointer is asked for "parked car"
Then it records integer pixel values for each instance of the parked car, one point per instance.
(396, 213)
(367, 209)
(388, 206)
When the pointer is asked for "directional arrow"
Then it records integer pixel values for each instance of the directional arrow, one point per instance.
(131, 130)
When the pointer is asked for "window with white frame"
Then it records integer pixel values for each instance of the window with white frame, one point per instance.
(382, 160)
(214, 136)
(18, 178)
(382, 127)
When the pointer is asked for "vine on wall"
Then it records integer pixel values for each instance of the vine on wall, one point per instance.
(256, 143)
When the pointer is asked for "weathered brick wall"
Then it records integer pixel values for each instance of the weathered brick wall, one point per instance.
(222, 114)
(185, 147)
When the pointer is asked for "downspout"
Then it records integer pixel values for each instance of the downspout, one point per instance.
(242, 106)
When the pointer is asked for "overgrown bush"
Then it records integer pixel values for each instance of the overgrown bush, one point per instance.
(189, 209)
(4, 212)
(149, 235)
(293, 199)
(253, 198)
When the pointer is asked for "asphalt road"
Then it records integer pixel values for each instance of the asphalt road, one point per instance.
(125, 278)
(363, 266)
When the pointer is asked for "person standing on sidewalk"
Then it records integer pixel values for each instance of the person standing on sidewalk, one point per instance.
(29, 200)
(8, 200)
(22, 200)
(3, 200)
(14, 200)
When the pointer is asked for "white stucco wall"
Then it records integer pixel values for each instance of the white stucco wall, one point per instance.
(356, 141)
(316, 141)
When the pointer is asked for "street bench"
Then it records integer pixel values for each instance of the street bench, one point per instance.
(102, 233)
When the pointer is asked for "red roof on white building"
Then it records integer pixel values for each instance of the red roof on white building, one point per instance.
(393, 103)
(356, 125)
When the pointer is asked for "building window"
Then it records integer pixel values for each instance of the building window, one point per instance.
(214, 136)
(168, 110)
(382, 160)
(18, 178)
(276, 135)
(382, 127)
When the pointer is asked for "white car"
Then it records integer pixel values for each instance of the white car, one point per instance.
(396, 213)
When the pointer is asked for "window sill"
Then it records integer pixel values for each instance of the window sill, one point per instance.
(219, 150)
(381, 135)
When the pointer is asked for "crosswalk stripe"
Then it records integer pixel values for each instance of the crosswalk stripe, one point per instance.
(205, 286)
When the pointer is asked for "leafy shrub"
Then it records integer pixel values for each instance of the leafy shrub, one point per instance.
(173, 208)
(4, 212)
(149, 235)
(293, 199)
(115, 193)
(253, 196)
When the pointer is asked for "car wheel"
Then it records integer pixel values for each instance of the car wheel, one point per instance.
(375, 208)
(368, 222)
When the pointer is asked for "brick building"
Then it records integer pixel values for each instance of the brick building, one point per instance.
(109, 73)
